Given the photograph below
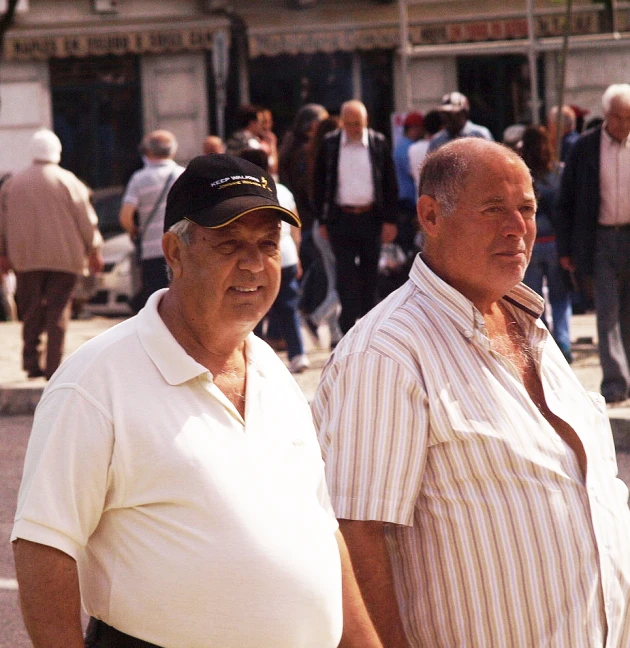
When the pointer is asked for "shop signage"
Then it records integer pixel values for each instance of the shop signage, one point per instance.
(155, 42)
(388, 37)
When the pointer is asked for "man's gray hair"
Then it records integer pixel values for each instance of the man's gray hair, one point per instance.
(160, 144)
(443, 176)
(181, 229)
(616, 91)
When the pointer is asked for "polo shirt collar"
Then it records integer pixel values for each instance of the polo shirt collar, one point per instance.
(364, 138)
(460, 309)
(175, 365)
(166, 162)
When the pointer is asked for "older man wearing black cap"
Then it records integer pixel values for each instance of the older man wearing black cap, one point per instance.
(455, 109)
(173, 480)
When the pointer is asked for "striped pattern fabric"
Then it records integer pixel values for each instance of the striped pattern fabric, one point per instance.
(496, 538)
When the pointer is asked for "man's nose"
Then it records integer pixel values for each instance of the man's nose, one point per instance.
(515, 223)
(251, 259)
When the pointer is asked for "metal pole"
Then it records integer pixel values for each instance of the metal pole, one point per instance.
(404, 55)
(533, 62)
(562, 77)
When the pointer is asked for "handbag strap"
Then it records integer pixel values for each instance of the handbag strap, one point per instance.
(165, 188)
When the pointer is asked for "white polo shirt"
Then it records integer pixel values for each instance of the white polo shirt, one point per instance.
(191, 526)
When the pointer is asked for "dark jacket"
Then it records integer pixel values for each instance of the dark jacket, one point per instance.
(579, 202)
(383, 176)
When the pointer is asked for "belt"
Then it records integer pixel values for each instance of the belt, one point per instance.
(356, 209)
(625, 227)
(101, 635)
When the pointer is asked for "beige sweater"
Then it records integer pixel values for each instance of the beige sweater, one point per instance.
(47, 221)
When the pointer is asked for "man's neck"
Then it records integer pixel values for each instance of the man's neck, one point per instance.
(219, 353)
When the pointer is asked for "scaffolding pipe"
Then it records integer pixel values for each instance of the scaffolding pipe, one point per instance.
(404, 54)
(532, 55)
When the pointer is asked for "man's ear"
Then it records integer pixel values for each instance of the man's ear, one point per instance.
(428, 214)
(172, 249)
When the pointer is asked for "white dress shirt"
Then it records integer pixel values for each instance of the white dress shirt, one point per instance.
(614, 181)
(355, 185)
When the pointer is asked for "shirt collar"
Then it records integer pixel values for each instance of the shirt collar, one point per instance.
(159, 163)
(364, 138)
(170, 358)
(460, 309)
(175, 365)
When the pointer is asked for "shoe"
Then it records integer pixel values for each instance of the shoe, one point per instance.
(313, 329)
(299, 363)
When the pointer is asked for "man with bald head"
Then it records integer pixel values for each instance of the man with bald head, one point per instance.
(356, 194)
(143, 205)
(474, 478)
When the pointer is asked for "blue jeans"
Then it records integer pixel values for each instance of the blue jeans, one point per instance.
(544, 264)
(284, 313)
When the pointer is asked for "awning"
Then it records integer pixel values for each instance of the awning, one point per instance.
(28, 45)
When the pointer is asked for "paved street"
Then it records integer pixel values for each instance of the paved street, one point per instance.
(14, 432)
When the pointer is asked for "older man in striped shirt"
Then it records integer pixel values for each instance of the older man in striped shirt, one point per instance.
(475, 479)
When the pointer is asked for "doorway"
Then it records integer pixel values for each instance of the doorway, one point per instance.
(98, 117)
(498, 89)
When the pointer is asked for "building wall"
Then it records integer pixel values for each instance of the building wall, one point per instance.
(589, 72)
(24, 107)
(429, 80)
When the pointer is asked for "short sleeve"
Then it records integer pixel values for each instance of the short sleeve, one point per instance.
(66, 472)
(371, 417)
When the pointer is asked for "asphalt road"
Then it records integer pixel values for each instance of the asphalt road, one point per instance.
(14, 433)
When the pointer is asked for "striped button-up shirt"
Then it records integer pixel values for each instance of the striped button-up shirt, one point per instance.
(496, 537)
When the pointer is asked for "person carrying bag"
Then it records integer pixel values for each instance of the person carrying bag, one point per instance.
(142, 197)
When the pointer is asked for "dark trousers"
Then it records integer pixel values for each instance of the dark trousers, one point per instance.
(101, 635)
(283, 315)
(153, 278)
(611, 283)
(356, 242)
(44, 298)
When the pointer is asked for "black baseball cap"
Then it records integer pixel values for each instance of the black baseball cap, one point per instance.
(216, 189)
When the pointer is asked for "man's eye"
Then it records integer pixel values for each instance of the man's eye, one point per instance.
(270, 247)
(227, 247)
(528, 212)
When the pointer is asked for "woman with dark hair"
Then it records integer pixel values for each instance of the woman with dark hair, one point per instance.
(293, 169)
(544, 265)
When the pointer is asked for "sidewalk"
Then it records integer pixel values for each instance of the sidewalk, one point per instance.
(18, 395)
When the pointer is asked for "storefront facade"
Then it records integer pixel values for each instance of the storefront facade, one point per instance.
(102, 80)
(102, 73)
